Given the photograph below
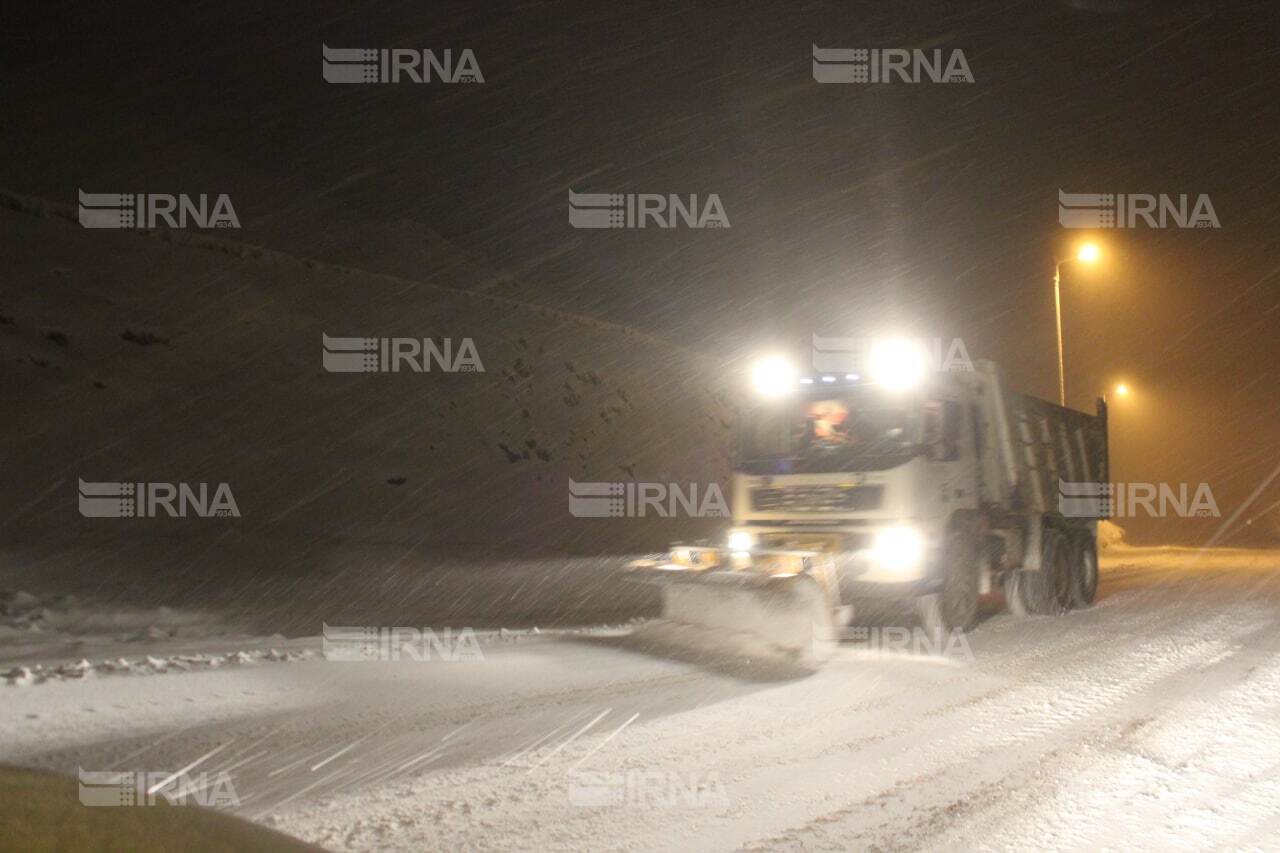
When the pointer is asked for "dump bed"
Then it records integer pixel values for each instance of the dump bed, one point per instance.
(1040, 450)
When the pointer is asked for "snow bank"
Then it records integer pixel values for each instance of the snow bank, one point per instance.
(1110, 535)
(26, 676)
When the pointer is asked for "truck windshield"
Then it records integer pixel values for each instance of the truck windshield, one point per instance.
(849, 430)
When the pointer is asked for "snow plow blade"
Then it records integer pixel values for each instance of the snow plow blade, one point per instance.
(773, 603)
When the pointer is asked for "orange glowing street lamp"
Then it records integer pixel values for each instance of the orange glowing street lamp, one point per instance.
(1086, 253)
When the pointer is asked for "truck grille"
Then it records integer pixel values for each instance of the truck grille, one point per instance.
(817, 499)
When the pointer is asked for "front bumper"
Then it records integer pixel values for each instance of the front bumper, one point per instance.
(854, 550)
(755, 567)
(847, 574)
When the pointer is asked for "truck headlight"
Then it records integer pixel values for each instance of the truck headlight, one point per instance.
(898, 549)
(774, 376)
(741, 540)
(898, 364)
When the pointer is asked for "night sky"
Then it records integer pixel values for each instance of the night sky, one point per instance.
(855, 209)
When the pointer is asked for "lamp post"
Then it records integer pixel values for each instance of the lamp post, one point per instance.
(1088, 253)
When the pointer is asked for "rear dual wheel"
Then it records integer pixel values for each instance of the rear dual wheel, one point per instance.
(1041, 593)
(1084, 569)
(1030, 594)
(1068, 577)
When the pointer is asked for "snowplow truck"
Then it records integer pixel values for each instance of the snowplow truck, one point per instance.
(846, 491)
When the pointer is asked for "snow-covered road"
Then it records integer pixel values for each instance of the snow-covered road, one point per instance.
(1151, 720)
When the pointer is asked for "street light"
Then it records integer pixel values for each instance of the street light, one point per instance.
(1087, 253)
(1122, 390)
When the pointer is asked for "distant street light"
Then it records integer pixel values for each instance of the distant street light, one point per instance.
(1122, 390)
(1087, 253)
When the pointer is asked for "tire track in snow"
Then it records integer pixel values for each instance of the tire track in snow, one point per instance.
(1198, 774)
(767, 795)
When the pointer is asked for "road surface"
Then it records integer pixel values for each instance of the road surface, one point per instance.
(1151, 720)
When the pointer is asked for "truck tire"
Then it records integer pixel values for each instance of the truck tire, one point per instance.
(956, 607)
(1040, 593)
(1084, 569)
(1058, 562)
(1026, 593)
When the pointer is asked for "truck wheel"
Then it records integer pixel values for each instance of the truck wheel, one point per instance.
(1084, 570)
(1033, 593)
(1026, 593)
(956, 607)
(1058, 562)
(1046, 592)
